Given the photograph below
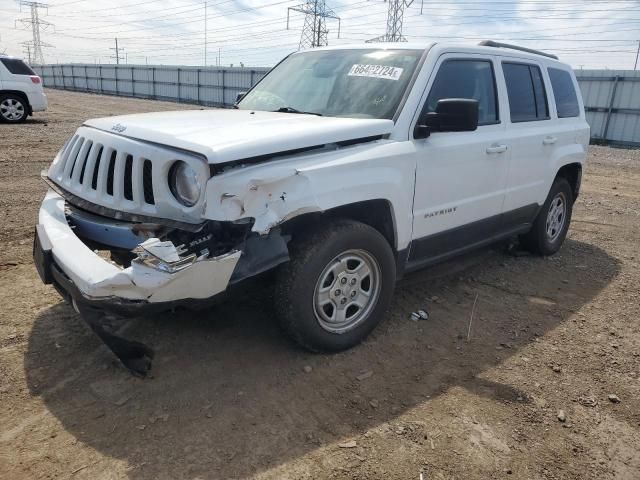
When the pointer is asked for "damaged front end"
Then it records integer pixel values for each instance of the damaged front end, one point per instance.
(130, 268)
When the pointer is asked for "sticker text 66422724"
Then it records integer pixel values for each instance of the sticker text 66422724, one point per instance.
(375, 71)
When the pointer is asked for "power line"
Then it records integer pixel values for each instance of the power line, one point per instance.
(149, 40)
(37, 25)
(314, 32)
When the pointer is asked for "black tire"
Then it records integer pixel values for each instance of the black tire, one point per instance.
(9, 100)
(296, 281)
(538, 240)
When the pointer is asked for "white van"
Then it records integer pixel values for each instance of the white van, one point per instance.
(21, 91)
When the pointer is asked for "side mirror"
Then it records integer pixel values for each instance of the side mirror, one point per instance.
(451, 115)
(421, 131)
(240, 96)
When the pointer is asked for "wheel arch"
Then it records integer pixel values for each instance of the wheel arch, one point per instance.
(572, 172)
(377, 213)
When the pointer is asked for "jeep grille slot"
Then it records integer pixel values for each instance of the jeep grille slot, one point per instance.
(81, 161)
(110, 172)
(128, 167)
(96, 168)
(70, 157)
(147, 182)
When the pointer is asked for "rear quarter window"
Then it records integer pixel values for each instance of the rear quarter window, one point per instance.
(16, 66)
(564, 92)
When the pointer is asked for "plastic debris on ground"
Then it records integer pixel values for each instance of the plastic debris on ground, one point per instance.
(419, 315)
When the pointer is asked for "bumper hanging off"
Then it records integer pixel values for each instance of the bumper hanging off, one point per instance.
(94, 286)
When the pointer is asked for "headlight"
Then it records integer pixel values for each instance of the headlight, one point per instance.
(183, 181)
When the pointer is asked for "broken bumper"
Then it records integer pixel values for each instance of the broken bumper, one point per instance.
(82, 276)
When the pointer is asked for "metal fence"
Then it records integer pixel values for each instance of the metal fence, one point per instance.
(611, 97)
(612, 104)
(211, 86)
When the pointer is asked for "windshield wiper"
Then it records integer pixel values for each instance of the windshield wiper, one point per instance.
(295, 110)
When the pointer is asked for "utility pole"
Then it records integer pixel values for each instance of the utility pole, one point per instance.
(314, 31)
(37, 25)
(205, 33)
(117, 50)
(635, 67)
(395, 18)
(27, 47)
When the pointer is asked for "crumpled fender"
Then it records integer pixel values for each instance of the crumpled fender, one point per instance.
(269, 200)
(275, 191)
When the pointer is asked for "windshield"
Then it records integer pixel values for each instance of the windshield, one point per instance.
(338, 83)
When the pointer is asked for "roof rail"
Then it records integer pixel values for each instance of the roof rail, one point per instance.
(491, 43)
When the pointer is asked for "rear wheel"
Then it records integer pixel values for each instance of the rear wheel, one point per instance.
(552, 223)
(13, 108)
(336, 287)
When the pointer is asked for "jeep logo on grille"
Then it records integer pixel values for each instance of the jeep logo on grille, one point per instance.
(118, 128)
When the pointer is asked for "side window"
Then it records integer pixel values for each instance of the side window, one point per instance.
(525, 88)
(472, 79)
(564, 93)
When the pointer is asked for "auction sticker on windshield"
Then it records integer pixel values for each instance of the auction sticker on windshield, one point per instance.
(375, 71)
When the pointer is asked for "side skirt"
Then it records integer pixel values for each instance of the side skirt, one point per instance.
(445, 245)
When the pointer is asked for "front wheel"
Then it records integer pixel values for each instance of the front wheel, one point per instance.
(552, 223)
(336, 287)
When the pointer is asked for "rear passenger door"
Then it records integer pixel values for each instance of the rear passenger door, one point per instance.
(533, 137)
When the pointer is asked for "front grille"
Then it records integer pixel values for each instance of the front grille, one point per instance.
(85, 164)
(124, 175)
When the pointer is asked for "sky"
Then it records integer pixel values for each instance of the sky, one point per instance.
(583, 33)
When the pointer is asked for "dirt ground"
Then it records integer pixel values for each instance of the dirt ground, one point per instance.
(231, 398)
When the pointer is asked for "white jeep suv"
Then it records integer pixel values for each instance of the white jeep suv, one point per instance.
(341, 170)
(21, 91)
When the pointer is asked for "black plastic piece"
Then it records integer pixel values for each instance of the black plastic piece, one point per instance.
(491, 43)
(42, 255)
(454, 115)
(261, 253)
(135, 356)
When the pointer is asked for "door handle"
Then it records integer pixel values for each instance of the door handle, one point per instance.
(549, 140)
(497, 149)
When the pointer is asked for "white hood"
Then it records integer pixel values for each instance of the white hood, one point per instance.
(227, 135)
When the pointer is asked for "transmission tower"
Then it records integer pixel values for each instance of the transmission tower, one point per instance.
(395, 17)
(37, 25)
(314, 31)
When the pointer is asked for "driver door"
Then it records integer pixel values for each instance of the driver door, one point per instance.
(460, 176)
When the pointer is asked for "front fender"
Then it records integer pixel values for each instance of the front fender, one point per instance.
(274, 192)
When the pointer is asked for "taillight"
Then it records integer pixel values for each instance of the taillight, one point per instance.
(35, 79)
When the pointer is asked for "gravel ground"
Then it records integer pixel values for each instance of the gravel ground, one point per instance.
(527, 396)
